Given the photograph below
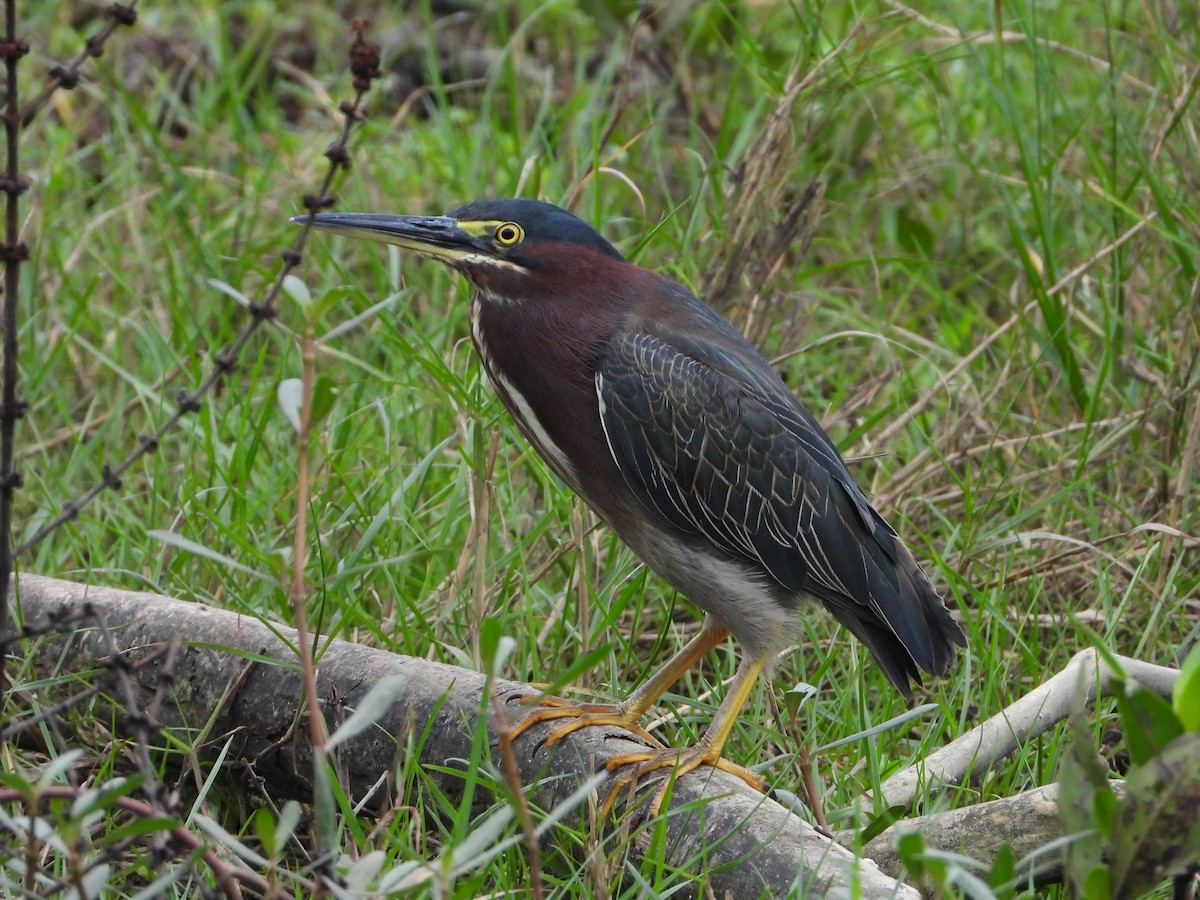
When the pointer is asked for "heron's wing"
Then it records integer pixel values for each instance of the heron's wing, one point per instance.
(712, 459)
(748, 469)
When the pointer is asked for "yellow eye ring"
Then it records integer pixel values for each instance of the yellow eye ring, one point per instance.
(509, 234)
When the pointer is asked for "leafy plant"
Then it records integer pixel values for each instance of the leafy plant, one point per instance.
(1128, 837)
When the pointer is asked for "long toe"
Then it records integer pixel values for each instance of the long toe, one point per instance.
(580, 715)
(752, 778)
(635, 766)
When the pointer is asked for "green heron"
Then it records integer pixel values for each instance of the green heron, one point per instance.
(683, 439)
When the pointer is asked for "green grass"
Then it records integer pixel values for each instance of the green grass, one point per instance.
(1048, 178)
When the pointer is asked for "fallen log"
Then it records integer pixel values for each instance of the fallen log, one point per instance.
(239, 678)
(1028, 823)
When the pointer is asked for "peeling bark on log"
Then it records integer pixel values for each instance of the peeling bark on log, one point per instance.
(751, 845)
(1026, 822)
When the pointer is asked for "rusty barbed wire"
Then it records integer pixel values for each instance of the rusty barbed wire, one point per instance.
(14, 252)
(364, 67)
(67, 77)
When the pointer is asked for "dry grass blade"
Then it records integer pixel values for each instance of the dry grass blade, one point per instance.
(766, 222)
(1016, 37)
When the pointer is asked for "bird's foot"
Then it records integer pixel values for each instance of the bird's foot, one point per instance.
(580, 715)
(680, 761)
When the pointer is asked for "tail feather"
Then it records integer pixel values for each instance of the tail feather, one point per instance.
(897, 663)
(907, 627)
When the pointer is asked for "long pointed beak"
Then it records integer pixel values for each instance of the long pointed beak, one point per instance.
(436, 236)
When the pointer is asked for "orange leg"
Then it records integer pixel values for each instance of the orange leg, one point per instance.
(628, 713)
(706, 752)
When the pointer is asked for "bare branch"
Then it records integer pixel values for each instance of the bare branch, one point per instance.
(979, 749)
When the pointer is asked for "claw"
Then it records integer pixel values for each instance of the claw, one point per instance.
(706, 752)
(627, 716)
(681, 761)
(581, 715)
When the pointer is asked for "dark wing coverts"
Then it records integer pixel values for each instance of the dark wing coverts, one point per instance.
(732, 456)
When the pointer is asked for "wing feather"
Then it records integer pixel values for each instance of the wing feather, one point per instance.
(726, 453)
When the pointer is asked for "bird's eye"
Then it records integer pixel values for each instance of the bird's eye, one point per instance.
(509, 234)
